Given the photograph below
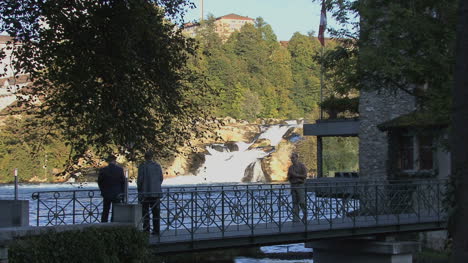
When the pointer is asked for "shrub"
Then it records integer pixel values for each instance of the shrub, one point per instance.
(93, 244)
(334, 105)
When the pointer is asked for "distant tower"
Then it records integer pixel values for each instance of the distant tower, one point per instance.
(201, 5)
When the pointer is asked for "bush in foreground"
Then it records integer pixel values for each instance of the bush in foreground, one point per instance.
(116, 244)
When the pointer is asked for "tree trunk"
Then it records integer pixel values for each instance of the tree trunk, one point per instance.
(459, 139)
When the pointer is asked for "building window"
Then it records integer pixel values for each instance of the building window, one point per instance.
(406, 159)
(426, 161)
(415, 153)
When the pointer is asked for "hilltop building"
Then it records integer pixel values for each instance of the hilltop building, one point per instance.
(225, 25)
(10, 81)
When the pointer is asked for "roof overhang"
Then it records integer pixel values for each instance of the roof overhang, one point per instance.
(333, 128)
(415, 119)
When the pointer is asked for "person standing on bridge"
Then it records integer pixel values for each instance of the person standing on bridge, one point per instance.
(111, 182)
(297, 174)
(150, 178)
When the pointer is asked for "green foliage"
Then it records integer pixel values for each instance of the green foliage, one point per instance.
(19, 149)
(432, 256)
(396, 45)
(415, 42)
(340, 66)
(250, 71)
(93, 244)
(307, 150)
(340, 154)
(333, 106)
(109, 74)
(306, 72)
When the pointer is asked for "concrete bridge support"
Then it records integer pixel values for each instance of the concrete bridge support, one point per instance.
(15, 213)
(128, 213)
(363, 251)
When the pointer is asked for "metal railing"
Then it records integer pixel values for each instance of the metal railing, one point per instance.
(226, 210)
(85, 206)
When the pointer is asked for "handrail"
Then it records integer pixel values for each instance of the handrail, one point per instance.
(252, 208)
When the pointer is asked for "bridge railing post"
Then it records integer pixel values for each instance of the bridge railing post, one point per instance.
(418, 197)
(223, 196)
(354, 205)
(251, 211)
(399, 207)
(271, 204)
(74, 206)
(376, 214)
(306, 208)
(330, 190)
(438, 201)
(192, 218)
(280, 205)
(38, 208)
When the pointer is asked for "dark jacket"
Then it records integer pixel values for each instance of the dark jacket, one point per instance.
(150, 177)
(111, 181)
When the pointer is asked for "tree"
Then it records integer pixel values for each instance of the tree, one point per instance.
(306, 72)
(414, 43)
(459, 140)
(108, 74)
(16, 144)
(411, 39)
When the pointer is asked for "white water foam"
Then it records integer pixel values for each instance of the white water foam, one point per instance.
(275, 133)
(229, 166)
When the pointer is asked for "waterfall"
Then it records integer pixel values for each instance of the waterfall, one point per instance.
(225, 164)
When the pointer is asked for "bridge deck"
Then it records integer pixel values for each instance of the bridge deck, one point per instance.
(196, 218)
(266, 234)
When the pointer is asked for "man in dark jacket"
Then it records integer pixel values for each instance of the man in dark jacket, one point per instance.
(111, 182)
(297, 174)
(149, 182)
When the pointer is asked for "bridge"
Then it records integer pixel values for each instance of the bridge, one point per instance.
(224, 216)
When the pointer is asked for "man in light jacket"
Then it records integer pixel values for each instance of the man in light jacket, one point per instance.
(149, 182)
(297, 174)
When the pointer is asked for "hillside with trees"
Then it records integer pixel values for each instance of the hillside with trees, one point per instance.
(249, 76)
(257, 77)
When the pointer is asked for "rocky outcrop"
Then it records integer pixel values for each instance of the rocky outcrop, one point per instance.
(260, 143)
(237, 133)
(232, 146)
(275, 166)
(254, 173)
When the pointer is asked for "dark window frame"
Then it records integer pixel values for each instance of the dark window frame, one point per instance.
(416, 153)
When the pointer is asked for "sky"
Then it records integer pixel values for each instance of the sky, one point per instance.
(285, 16)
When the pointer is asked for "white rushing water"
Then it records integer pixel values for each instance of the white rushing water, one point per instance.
(223, 165)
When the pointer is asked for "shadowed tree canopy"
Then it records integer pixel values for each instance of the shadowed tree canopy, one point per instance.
(396, 45)
(110, 75)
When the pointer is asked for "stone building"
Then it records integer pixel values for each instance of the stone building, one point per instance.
(396, 139)
(224, 25)
(10, 81)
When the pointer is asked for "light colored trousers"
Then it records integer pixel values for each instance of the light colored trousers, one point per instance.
(298, 194)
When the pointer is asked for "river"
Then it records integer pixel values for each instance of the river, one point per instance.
(287, 253)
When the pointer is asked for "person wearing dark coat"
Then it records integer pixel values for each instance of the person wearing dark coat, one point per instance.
(111, 182)
(150, 178)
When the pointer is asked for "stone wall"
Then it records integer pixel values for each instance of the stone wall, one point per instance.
(374, 108)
